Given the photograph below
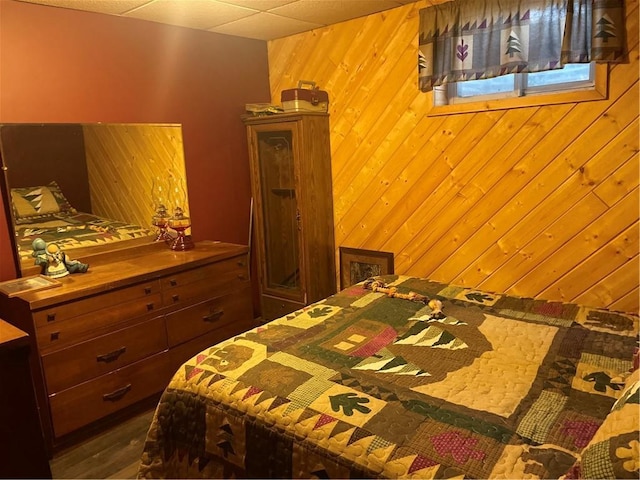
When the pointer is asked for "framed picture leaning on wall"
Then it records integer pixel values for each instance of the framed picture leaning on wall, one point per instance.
(356, 265)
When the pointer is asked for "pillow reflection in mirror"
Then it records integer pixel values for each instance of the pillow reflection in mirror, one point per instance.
(29, 202)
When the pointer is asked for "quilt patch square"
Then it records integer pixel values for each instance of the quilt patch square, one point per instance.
(498, 380)
(281, 380)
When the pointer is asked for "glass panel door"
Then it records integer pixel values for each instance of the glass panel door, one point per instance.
(280, 212)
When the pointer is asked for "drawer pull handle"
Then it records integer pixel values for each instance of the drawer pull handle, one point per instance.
(173, 283)
(116, 394)
(149, 306)
(175, 298)
(241, 276)
(51, 317)
(55, 336)
(111, 356)
(147, 290)
(213, 316)
(241, 263)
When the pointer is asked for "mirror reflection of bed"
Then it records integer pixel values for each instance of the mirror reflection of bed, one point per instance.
(90, 188)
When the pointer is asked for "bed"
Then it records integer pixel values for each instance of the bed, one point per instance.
(405, 377)
(43, 211)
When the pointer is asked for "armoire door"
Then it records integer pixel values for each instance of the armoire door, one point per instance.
(291, 184)
(280, 213)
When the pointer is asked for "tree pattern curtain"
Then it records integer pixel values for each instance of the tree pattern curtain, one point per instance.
(475, 39)
(595, 31)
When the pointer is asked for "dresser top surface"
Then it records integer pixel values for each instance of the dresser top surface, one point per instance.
(130, 266)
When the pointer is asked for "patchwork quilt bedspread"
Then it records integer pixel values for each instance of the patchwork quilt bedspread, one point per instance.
(73, 230)
(364, 384)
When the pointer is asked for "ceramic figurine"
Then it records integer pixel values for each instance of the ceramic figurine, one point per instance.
(53, 261)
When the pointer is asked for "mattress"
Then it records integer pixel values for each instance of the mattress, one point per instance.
(380, 381)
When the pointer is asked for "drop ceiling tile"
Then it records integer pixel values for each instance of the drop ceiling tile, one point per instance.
(200, 14)
(98, 6)
(329, 12)
(265, 26)
(261, 5)
(236, 17)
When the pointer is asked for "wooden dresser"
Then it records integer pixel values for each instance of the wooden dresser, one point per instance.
(111, 337)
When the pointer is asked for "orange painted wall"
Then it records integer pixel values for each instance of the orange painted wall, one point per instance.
(61, 65)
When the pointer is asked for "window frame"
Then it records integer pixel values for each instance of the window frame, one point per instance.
(539, 97)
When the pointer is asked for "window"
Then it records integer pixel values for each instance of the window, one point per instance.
(573, 77)
(461, 41)
(574, 83)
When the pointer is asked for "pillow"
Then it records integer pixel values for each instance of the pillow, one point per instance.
(29, 202)
(614, 450)
(63, 203)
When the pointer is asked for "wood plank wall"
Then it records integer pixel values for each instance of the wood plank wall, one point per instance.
(126, 162)
(540, 201)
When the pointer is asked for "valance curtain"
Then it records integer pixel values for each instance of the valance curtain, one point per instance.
(474, 39)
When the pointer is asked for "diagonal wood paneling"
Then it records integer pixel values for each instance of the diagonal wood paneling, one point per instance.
(133, 165)
(539, 201)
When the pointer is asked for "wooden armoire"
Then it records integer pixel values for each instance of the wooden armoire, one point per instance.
(293, 209)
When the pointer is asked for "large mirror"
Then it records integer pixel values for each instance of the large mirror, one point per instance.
(89, 188)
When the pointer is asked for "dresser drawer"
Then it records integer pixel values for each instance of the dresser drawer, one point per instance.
(90, 359)
(65, 311)
(209, 280)
(60, 334)
(227, 310)
(97, 398)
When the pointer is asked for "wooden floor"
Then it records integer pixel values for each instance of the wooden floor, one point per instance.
(114, 453)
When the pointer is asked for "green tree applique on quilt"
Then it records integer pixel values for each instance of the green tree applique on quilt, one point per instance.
(349, 402)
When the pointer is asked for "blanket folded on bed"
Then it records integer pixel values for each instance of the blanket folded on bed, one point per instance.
(363, 384)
